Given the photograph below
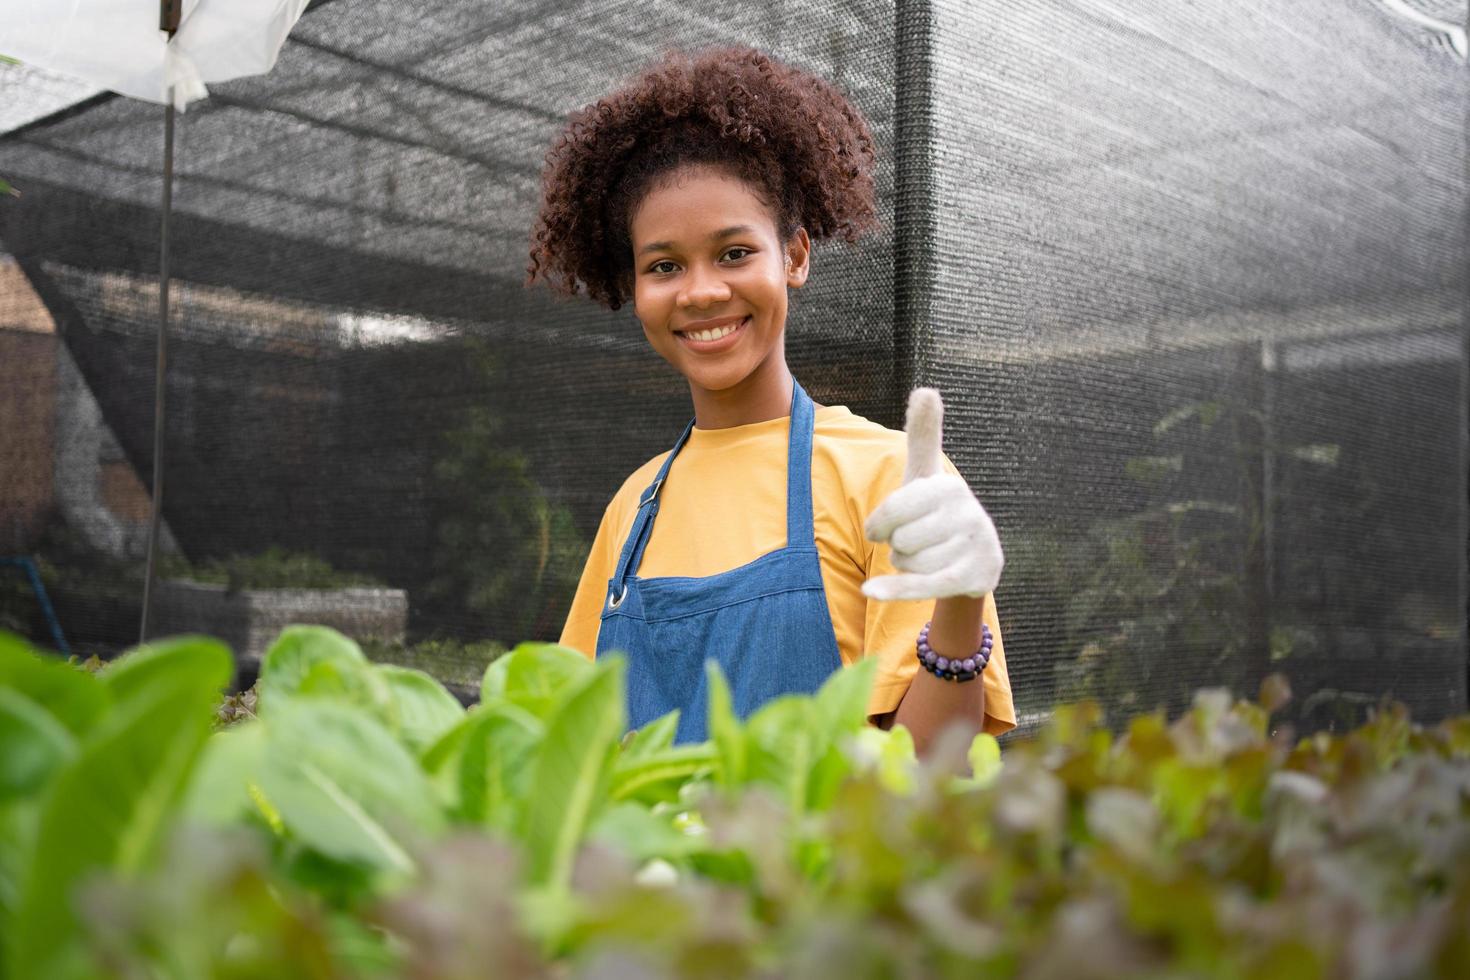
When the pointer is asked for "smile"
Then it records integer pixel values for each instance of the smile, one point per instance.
(713, 339)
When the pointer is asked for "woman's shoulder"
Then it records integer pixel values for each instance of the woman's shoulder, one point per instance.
(631, 492)
(860, 448)
(855, 440)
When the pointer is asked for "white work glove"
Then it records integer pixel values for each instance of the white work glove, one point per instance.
(940, 536)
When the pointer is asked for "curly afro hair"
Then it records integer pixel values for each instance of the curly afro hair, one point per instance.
(792, 136)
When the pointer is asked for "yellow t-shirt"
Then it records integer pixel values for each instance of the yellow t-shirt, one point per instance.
(724, 505)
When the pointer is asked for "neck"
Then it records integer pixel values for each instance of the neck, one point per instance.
(765, 394)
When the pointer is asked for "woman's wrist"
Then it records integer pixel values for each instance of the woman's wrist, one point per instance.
(959, 667)
(956, 627)
(930, 703)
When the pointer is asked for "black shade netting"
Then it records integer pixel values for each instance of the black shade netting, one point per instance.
(1192, 284)
(1199, 281)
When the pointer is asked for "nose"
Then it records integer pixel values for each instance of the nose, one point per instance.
(703, 287)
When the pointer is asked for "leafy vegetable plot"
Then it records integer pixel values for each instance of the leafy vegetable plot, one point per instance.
(571, 770)
(108, 804)
(362, 823)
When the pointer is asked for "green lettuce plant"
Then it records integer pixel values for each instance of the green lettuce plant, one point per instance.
(359, 822)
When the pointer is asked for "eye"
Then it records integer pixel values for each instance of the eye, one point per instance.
(742, 250)
(657, 267)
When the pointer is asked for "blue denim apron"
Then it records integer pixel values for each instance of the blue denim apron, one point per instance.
(766, 622)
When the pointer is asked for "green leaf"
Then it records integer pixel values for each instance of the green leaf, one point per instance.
(899, 761)
(109, 808)
(572, 770)
(18, 828)
(492, 774)
(653, 737)
(800, 737)
(363, 949)
(783, 746)
(140, 671)
(826, 777)
(71, 695)
(725, 730)
(230, 763)
(422, 709)
(447, 749)
(842, 701)
(984, 757)
(1182, 791)
(492, 684)
(316, 661)
(534, 676)
(890, 753)
(33, 745)
(642, 834)
(344, 785)
(635, 776)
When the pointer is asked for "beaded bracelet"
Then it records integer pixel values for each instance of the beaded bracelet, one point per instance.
(954, 670)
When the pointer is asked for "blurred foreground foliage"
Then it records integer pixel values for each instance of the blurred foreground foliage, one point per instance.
(354, 820)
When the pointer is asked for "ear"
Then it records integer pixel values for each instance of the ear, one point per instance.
(798, 259)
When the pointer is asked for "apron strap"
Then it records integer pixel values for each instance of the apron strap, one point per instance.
(800, 530)
(642, 529)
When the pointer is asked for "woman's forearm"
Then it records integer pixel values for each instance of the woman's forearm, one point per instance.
(930, 703)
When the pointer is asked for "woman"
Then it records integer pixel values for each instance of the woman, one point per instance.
(695, 191)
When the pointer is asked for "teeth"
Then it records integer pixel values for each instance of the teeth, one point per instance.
(712, 334)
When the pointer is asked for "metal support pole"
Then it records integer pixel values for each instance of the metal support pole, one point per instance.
(169, 13)
(160, 384)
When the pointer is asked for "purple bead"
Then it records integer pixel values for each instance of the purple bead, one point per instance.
(968, 665)
(929, 658)
(942, 663)
(986, 645)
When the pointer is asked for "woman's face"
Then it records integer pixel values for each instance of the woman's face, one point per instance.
(710, 275)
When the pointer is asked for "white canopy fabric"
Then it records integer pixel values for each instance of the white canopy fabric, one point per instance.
(117, 44)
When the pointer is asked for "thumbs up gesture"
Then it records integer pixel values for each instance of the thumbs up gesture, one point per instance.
(941, 538)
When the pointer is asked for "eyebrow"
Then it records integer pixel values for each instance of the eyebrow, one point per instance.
(722, 233)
